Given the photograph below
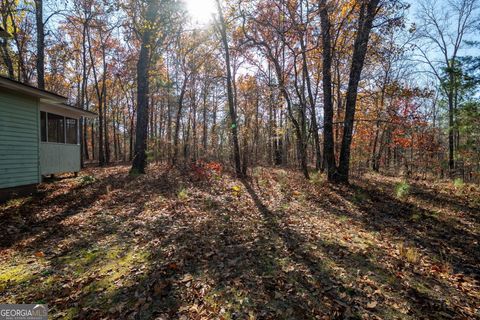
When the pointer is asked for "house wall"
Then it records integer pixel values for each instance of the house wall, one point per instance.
(59, 158)
(19, 140)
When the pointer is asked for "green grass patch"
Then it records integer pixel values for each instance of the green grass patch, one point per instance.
(317, 178)
(14, 275)
(86, 180)
(402, 189)
(182, 194)
(458, 183)
(15, 203)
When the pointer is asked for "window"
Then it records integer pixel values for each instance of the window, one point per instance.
(59, 129)
(43, 126)
(71, 130)
(56, 128)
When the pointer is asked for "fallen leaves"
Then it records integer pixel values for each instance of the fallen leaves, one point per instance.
(372, 305)
(163, 246)
(187, 278)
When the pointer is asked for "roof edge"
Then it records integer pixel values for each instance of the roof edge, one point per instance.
(84, 112)
(30, 90)
(67, 108)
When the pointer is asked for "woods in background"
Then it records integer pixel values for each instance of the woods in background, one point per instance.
(339, 86)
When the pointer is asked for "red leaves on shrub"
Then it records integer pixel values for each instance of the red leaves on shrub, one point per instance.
(203, 170)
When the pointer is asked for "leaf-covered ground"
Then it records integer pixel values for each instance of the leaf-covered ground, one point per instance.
(169, 246)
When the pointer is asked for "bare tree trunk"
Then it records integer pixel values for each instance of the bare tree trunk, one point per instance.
(85, 139)
(101, 153)
(92, 127)
(204, 117)
(105, 116)
(124, 138)
(83, 89)
(143, 66)
(40, 63)
(114, 128)
(316, 138)
(231, 105)
(451, 147)
(194, 123)
(131, 140)
(178, 120)
(368, 12)
(328, 142)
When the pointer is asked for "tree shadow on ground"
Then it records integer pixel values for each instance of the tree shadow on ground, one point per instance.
(140, 251)
(407, 221)
(421, 303)
(232, 270)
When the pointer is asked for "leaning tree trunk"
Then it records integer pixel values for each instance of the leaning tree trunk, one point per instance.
(368, 12)
(316, 138)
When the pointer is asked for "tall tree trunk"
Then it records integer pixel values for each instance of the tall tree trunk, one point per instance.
(85, 139)
(231, 105)
(368, 12)
(40, 63)
(92, 142)
(316, 138)
(451, 131)
(114, 128)
(143, 66)
(194, 124)
(328, 142)
(105, 118)
(124, 138)
(131, 140)
(83, 89)
(178, 121)
(101, 153)
(204, 117)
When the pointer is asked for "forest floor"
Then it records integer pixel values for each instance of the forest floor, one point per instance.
(166, 245)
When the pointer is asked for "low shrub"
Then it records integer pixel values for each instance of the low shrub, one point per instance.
(458, 183)
(182, 194)
(402, 189)
(87, 180)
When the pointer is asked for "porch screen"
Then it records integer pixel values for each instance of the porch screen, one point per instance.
(56, 128)
(71, 130)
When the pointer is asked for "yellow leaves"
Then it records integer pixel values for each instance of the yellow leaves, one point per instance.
(347, 7)
(182, 194)
(13, 16)
(236, 190)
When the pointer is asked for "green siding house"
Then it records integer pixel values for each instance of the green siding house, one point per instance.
(39, 134)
